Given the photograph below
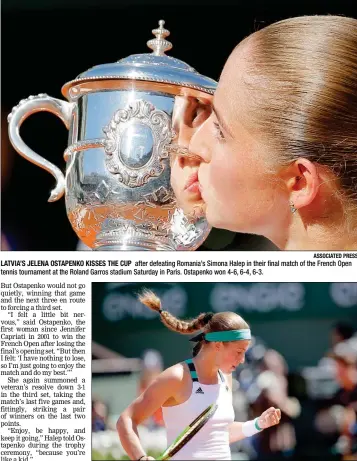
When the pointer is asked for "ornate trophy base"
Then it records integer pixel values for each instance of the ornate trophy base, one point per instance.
(121, 235)
(131, 246)
(127, 235)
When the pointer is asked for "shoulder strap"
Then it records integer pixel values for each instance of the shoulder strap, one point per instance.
(221, 376)
(223, 379)
(192, 369)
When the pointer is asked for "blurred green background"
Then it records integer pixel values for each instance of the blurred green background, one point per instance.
(289, 316)
(294, 319)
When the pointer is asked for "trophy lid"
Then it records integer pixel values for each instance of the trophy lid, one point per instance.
(151, 67)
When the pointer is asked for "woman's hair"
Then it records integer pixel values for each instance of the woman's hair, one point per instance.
(304, 72)
(206, 321)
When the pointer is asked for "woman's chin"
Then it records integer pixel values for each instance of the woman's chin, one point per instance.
(216, 220)
(228, 369)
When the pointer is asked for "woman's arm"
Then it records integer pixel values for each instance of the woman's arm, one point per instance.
(165, 386)
(239, 431)
(235, 432)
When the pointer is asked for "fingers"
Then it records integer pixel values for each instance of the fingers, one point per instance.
(272, 416)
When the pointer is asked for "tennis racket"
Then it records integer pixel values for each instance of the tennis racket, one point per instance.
(187, 434)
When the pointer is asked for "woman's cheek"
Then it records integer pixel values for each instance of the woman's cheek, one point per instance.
(215, 169)
(220, 178)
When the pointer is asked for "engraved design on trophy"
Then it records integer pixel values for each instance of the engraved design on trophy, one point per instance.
(135, 143)
(163, 197)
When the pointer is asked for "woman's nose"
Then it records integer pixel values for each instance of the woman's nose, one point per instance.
(186, 161)
(200, 142)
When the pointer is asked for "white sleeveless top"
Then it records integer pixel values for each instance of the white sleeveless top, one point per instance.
(212, 440)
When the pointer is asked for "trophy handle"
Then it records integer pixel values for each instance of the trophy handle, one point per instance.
(19, 114)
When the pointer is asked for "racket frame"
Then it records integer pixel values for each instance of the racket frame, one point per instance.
(189, 432)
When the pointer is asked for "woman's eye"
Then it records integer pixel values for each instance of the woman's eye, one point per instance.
(218, 132)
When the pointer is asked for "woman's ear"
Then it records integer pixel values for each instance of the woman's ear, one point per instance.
(303, 181)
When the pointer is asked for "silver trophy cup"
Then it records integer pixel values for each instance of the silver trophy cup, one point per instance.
(125, 122)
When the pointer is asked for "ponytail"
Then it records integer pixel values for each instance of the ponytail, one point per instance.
(210, 322)
(184, 327)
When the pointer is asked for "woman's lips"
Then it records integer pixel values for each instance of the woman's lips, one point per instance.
(194, 188)
(201, 189)
(192, 184)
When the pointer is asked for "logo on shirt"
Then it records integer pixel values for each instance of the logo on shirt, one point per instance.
(199, 391)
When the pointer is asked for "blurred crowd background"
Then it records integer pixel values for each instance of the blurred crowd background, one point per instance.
(302, 359)
(50, 42)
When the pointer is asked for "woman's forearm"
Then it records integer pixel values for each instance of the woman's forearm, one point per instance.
(235, 432)
(239, 431)
(129, 438)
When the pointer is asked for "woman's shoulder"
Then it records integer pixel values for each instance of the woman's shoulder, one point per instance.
(175, 373)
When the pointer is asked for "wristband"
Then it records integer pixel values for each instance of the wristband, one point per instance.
(250, 428)
(141, 457)
(257, 425)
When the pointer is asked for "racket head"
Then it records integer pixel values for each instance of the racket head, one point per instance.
(189, 432)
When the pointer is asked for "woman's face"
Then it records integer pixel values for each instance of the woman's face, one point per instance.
(184, 182)
(231, 354)
(236, 174)
(189, 114)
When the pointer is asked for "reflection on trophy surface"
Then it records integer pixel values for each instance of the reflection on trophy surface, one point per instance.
(128, 164)
(189, 114)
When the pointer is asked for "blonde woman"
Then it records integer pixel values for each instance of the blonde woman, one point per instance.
(279, 151)
(184, 390)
